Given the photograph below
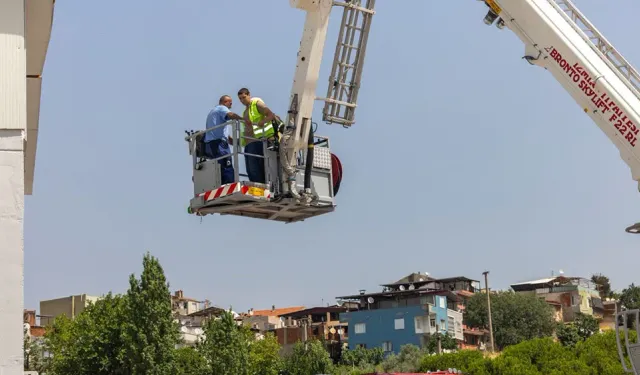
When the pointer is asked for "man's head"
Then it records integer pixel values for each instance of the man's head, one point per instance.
(245, 96)
(226, 101)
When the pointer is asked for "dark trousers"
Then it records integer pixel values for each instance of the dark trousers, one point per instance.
(217, 148)
(255, 165)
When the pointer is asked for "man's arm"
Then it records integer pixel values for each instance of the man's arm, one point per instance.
(233, 116)
(264, 110)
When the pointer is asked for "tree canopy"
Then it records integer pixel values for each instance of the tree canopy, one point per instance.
(516, 316)
(604, 285)
(630, 297)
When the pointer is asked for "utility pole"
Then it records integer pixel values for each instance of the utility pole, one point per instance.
(486, 285)
(304, 332)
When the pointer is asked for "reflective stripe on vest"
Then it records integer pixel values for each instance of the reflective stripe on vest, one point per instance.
(255, 116)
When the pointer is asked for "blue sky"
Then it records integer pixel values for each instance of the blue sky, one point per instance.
(463, 157)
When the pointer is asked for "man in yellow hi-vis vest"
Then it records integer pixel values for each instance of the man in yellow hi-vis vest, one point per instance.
(259, 123)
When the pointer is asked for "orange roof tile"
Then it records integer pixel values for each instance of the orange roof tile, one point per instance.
(277, 312)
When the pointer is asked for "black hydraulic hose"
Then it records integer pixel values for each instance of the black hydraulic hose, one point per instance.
(309, 163)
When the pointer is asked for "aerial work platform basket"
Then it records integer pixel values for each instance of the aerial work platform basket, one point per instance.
(628, 347)
(262, 200)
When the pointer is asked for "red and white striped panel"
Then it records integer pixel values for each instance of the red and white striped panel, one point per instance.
(228, 189)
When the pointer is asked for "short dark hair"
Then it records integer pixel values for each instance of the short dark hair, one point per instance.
(222, 98)
(244, 91)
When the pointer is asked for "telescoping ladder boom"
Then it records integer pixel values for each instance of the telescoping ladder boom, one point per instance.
(344, 81)
(559, 38)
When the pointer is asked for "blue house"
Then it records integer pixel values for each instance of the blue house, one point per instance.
(408, 311)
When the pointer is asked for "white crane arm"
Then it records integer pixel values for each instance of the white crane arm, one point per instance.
(560, 39)
(305, 82)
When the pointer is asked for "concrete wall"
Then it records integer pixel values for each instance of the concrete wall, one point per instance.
(70, 306)
(263, 323)
(12, 183)
(454, 324)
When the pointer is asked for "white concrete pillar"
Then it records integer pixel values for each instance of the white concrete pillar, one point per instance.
(13, 116)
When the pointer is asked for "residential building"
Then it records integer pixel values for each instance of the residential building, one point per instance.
(70, 306)
(567, 295)
(182, 305)
(192, 325)
(268, 319)
(30, 324)
(321, 323)
(611, 308)
(408, 311)
(465, 288)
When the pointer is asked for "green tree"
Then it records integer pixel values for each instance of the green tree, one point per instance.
(93, 343)
(150, 330)
(603, 283)
(308, 358)
(264, 356)
(362, 357)
(586, 325)
(600, 353)
(447, 342)
(567, 334)
(583, 327)
(516, 316)
(226, 346)
(189, 361)
(33, 352)
(630, 297)
(406, 361)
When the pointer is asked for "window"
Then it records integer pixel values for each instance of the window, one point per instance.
(443, 325)
(387, 346)
(360, 328)
(432, 322)
(575, 300)
(443, 302)
(427, 300)
(421, 323)
(399, 323)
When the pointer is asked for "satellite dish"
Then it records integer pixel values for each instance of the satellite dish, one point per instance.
(401, 287)
(340, 331)
(561, 272)
(427, 274)
(370, 299)
(412, 287)
(339, 302)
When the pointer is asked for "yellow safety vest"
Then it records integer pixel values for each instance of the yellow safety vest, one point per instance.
(255, 116)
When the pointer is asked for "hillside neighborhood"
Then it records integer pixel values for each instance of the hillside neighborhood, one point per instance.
(407, 312)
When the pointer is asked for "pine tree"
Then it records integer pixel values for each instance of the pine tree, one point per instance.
(226, 346)
(152, 334)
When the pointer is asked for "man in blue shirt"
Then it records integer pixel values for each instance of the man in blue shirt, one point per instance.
(217, 140)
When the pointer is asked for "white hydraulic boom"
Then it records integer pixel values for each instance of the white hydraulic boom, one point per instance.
(344, 81)
(559, 38)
